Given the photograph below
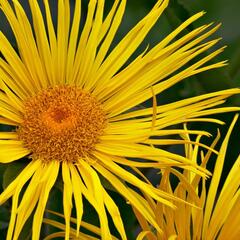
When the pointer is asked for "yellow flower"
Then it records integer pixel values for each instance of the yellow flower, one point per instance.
(215, 214)
(72, 107)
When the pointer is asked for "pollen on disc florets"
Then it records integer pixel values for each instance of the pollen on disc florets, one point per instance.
(62, 123)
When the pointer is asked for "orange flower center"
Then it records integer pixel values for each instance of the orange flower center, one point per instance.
(62, 123)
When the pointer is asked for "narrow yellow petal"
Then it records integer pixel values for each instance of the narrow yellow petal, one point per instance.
(61, 226)
(148, 77)
(231, 227)
(91, 47)
(11, 188)
(116, 183)
(85, 225)
(145, 62)
(146, 235)
(226, 200)
(73, 40)
(8, 135)
(145, 152)
(33, 193)
(128, 177)
(76, 184)
(10, 55)
(52, 42)
(116, 21)
(175, 105)
(28, 49)
(11, 80)
(128, 45)
(41, 39)
(79, 58)
(30, 191)
(118, 106)
(8, 122)
(46, 187)
(12, 153)
(215, 180)
(115, 214)
(92, 180)
(62, 38)
(144, 226)
(15, 101)
(67, 197)
(25, 176)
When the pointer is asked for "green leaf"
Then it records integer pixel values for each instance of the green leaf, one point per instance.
(4, 218)
(2, 170)
(127, 215)
(234, 66)
(190, 5)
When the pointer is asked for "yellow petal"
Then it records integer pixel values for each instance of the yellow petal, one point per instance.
(11, 188)
(92, 181)
(79, 58)
(62, 39)
(128, 45)
(46, 187)
(146, 234)
(41, 40)
(8, 135)
(76, 184)
(73, 40)
(22, 179)
(215, 180)
(115, 214)
(10, 153)
(117, 184)
(67, 196)
(28, 49)
(16, 64)
(91, 47)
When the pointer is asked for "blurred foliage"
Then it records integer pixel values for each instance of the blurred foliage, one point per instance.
(179, 10)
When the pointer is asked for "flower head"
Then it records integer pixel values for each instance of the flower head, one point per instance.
(71, 104)
(213, 215)
(62, 123)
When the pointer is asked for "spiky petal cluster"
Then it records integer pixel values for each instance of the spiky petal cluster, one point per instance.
(214, 214)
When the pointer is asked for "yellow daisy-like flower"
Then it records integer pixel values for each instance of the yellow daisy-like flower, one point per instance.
(215, 215)
(72, 106)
